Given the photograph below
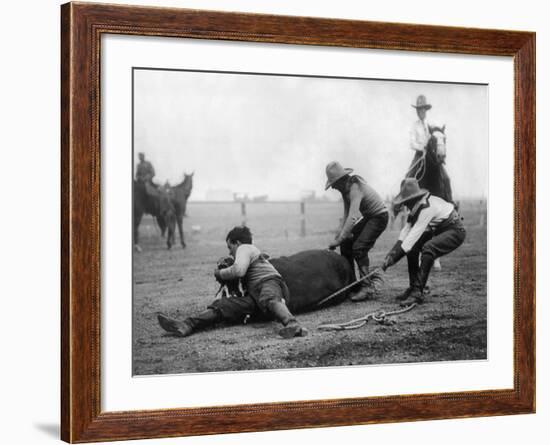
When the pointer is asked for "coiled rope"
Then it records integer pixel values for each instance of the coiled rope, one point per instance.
(378, 316)
(419, 175)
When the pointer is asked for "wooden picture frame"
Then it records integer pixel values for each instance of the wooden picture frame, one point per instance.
(82, 26)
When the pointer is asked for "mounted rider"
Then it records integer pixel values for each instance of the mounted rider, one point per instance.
(419, 134)
(145, 172)
(433, 229)
(365, 218)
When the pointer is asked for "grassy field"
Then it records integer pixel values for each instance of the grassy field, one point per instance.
(451, 325)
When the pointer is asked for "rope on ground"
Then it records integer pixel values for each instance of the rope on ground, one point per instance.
(378, 316)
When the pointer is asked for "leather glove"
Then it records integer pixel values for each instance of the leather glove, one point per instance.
(393, 256)
(334, 244)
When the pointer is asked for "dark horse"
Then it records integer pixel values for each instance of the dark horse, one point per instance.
(157, 203)
(429, 168)
(179, 195)
(166, 206)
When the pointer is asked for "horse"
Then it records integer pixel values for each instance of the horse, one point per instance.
(429, 168)
(179, 194)
(157, 203)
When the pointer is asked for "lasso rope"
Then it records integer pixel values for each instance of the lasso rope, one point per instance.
(378, 316)
(374, 274)
(419, 175)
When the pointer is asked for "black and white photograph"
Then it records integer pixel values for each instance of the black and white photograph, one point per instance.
(293, 221)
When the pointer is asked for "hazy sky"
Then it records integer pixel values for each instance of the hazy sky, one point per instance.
(274, 135)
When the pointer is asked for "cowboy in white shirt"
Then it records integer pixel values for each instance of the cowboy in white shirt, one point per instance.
(420, 132)
(433, 229)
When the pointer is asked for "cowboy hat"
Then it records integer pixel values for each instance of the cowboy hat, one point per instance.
(409, 190)
(334, 172)
(422, 102)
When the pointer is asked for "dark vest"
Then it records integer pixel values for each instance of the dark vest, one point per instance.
(371, 202)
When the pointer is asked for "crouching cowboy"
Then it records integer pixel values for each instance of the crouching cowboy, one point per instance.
(365, 218)
(265, 292)
(433, 229)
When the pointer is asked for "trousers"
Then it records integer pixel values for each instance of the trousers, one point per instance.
(364, 236)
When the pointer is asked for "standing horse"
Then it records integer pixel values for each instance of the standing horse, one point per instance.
(429, 169)
(155, 202)
(179, 194)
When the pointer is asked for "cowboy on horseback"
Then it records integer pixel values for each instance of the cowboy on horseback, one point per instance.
(433, 229)
(420, 132)
(145, 171)
(420, 136)
(365, 218)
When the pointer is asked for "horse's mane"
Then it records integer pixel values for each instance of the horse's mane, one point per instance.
(436, 128)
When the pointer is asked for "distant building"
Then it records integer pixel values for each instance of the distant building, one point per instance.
(239, 197)
(219, 195)
(260, 198)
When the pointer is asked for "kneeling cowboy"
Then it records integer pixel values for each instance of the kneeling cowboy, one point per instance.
(365, 218)
(433, 229)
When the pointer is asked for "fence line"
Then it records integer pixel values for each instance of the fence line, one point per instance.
(304, 212)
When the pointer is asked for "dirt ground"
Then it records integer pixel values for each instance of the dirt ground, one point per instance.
(451, 325)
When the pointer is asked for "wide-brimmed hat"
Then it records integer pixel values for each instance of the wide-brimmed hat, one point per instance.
(422, 102)
(334, 172)
(409, 190)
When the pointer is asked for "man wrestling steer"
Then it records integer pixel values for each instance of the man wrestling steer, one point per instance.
(365, 218)
(265, 292)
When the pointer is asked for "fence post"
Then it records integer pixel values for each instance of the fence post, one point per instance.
(483, 218)
(302, 219)
(243, 213)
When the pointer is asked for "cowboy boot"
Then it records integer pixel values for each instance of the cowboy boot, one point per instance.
(189, 325)
(425, 268)
(418, 293)
(180, 328)
(291, 328)
(347, 253)
(412, 264)
(366, 290)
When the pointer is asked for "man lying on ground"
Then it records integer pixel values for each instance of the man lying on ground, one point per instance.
(265, 292)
